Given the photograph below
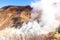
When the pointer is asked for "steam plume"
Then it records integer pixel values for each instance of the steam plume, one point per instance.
(48, 14)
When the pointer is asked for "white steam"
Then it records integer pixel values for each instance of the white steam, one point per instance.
(50, 17)
(48, 14)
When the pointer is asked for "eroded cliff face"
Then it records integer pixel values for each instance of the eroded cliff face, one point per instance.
(14, 16)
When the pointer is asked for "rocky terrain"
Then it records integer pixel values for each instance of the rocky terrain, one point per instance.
(14, 16)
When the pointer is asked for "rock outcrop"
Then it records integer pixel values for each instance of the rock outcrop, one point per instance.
(14, 16)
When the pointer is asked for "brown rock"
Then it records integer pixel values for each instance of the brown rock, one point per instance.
(14, 16)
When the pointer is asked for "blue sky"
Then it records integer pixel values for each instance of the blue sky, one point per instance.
(15, 2)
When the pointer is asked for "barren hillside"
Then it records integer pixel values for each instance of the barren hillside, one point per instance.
(14, 15)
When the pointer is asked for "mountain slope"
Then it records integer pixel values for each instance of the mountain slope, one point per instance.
(14, 15)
